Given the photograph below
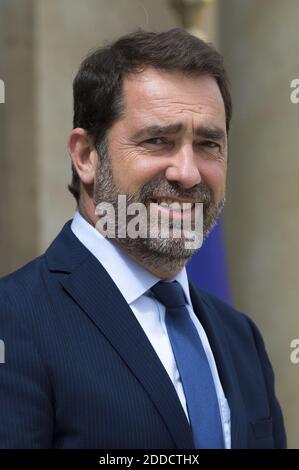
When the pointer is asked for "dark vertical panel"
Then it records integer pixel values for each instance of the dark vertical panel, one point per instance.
(18, 198)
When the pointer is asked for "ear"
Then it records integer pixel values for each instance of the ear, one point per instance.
(84, 155)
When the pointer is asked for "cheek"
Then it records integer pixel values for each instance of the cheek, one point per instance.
(215, 177)
(130, 174)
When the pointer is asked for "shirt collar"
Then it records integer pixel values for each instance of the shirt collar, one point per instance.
(131, 278)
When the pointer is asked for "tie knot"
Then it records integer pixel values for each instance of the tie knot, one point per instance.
(170, 294)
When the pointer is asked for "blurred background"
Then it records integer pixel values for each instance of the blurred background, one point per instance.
(42, 43)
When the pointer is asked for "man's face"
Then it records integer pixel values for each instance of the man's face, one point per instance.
(170, 145)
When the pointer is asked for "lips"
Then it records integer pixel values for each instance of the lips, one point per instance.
(175, 204)
(174, 209)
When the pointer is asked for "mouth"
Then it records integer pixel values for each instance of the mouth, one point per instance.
(177, 208)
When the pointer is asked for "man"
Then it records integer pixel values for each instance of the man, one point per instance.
(108, 344)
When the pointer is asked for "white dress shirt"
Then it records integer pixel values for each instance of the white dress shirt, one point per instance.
(134, 282)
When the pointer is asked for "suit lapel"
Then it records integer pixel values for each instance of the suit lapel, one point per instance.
(215, 331)
(91, 287)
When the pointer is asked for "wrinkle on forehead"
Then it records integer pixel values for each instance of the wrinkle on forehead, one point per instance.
(179, 107)
(158, 93)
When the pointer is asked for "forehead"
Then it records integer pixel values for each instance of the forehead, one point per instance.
(172, 96)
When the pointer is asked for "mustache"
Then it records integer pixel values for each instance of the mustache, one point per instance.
(199, 193)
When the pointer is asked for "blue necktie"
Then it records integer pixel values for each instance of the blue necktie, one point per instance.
(193, 366)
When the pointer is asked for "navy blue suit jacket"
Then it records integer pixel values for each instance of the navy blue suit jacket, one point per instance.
(79, 371)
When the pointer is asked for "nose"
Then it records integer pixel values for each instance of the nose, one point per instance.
(183, 168)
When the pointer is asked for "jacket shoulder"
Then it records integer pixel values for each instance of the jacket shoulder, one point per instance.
(225, 312)
(23, 278)
(21, 289)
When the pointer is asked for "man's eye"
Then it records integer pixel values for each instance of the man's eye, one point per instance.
(155, 141)
(209, 144)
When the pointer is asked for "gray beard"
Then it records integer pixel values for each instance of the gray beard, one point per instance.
(161, 254)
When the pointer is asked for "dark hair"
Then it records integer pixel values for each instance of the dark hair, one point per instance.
(97, 86)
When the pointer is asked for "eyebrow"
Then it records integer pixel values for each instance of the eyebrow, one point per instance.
(208, 132)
